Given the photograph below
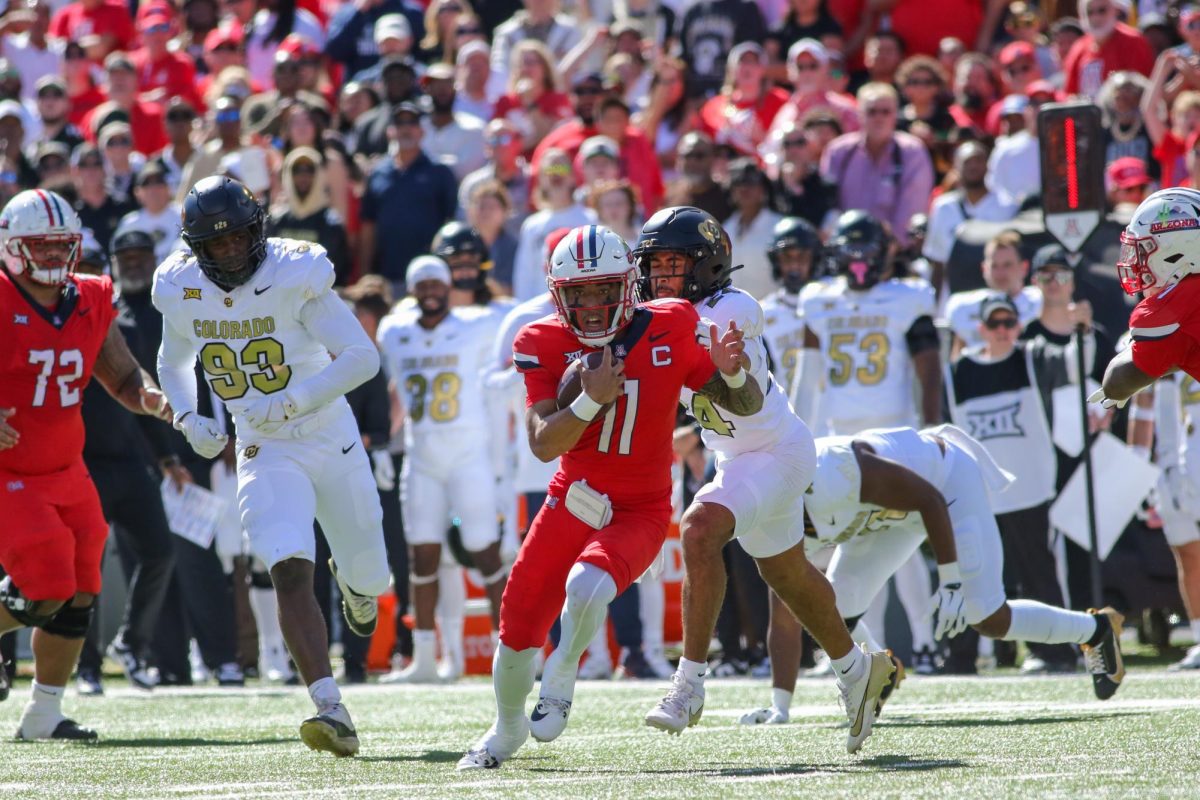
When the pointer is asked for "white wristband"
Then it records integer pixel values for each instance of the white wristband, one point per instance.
(948, 573)
(585, 407)
(736, 380)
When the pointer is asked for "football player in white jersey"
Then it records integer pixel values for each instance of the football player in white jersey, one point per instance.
(765, 462)
(437, 359)
(262, 318)
(878, 494)
(794, 255)
(1177, 449)
(866, 337)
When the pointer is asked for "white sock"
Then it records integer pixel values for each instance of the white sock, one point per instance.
(47, 700)
(1196, 630)
(914, 591)
(512, 679)
(781, 699)
(452, 638)
(324, 693)
(862, 634)
(849, 668)
(1037, 622)
(589, 591)
(694, 671)
(424, 647)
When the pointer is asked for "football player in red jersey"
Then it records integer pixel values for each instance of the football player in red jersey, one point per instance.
(59, 331)
(1160, 249)
(608, 506)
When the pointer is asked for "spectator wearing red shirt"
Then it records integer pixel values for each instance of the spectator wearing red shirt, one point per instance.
(975, 92)
(107, 19)
(82, 91)
(1169, 133)
(808, 68)
(222, 48)
(162, 74)
(741, 115)
(533, 101)
(146, 119)
(1106, 47)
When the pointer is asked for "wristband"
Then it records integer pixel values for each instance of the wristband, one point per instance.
(585, 407)
(948, 573)
(736, 380)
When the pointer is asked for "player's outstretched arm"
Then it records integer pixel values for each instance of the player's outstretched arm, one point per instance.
(119, 372)
(1123, 379)
(888, 484)
(731, 387)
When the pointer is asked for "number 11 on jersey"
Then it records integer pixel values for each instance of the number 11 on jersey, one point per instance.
(610, 418)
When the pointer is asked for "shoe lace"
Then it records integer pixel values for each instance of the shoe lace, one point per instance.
(676, 700)
(1095, 660)
(553, 703)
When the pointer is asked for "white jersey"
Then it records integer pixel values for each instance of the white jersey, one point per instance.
(439, 374)
(250, 340)
(724, 432)
(783, 328)
(962, 311)
(868, 372)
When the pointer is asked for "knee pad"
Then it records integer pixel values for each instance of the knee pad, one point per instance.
(589, 585)
(19, 607)
(71, 622)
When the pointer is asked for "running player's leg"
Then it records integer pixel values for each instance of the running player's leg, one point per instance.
(426, 510)
(472, 492)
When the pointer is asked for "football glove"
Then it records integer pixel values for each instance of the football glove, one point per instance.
(202, 433)
(269, 414)
(384, 469)
(946, 607)
(1098, 396)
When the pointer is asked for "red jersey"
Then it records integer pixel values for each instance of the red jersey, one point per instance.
(626, 453)
(73, 22)
(175, 72)
(45, 363)
(1166, 330)
(1088, 63)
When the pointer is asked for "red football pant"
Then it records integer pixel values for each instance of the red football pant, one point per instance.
(537, 584)
(54, 533)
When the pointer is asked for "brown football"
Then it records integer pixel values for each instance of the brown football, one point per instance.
(571, 383)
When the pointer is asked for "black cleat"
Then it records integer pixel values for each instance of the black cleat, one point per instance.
(88, 683)
(69, 731)
(1103, 654)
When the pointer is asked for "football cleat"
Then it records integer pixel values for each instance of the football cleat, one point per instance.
(924, 662)
(1190, 661)
(680, 709)
(332, 731)
(230, 674)
(636, 667)
(728, 668)
(64, 729)
(135, 669)
(764, 716)
(449, 670)
(1104, 659)
(596, 669)
(549, 718)
(88, 683)
(893, 683)
(493, 749)
(861, 698)
(361, 611)
(416, 672)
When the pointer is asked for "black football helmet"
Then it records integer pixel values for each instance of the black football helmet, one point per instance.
(799, 234)
(695, 233)
(858, 249)
(217, 206)
(457, 238)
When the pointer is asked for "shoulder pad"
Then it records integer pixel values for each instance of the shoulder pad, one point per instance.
(733, 305)
(837, 480)
(302, 265)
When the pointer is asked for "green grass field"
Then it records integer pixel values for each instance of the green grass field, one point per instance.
(994, 737)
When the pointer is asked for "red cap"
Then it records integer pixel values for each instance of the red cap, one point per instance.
(1014, 50)
(298, 46)
(1126, 172)
(1041, 87)
(155, 13)
(222, 35)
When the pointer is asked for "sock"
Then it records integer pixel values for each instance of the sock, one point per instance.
(652, 608)
(324, 693)
(452, 638)
(424, 648)
(1037, 622)
(47, 700)
(781, 699)
(849, 668)
(512, 679)
(1196, 630)
(913, 591)
(589, 591)
(862, 634)
(694, 671)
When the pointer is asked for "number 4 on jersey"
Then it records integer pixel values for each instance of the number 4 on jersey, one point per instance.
(709, 418)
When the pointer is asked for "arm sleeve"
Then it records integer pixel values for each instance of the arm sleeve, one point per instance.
(1167, 422)
(539, 383)
(356, 360)
(177, 369)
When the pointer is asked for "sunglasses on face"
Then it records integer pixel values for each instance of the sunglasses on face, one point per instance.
(795, 142)
(180, 116)
(1020, 68)
(75, 54)
(287, 68)
(91, 165)
(225, 117)
(468, 30)
(584, 91)
(499, 139)
(48, 94)
(158, 29)
(304, 169)
(556, 170)
(51, 165)
(697, 155)
(1059, 276)
(1194, 25)
(119, 141)
(1008, 323)
(157, 181)
(807, 66)
(406, 122)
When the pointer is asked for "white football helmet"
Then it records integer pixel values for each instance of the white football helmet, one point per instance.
(593, 255)
(41, 236)
(1161, 244)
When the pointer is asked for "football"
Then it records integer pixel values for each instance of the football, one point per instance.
(571, 383)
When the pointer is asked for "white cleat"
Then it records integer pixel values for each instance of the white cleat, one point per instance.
(1190, 661)
(449, 670)
(596, 669)
(493, 749)
(415, 672)
(822, 669)
(659, 665)
(861, 699)
(331, 730)
(764, 716)
(549, 718)
(680, 709)
(361, 611)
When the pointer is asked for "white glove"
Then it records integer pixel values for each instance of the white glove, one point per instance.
(269, 414)
(384, 469)
(202, 433)
(1098, 396)
(946, 607)
(764, 716)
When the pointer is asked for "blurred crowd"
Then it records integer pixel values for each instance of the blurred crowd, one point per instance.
(369, 126)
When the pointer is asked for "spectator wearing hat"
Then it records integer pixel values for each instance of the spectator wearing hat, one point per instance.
(399, 86)
(504, 161)
(407, 198)
(971, 200)
(557, 207)
(694, 184)
(926, 112)
(225, 118)
(1005, 272)
(261, 111)
(82, 90)
(473, 72)
(1019, 66)
(109, 20)
(654, 20)
(162, 73)
(533, 100)
(598, 160)
(1015, 165)
(10, 88)
(393, 40)
(181, 122)
(1127, 183)
(222, 49)
(751, 228)
(121, 161)
(1025, 24)
(707, 35)
(12, 134)
(1011, 115)
(158, 215)
(1064, 33)
(803, 20)
(304, 212)
(808, 72)
(271, 25)
(354, 36)
(53, 109)
(1107, 46)
(1171, 133)
(798, 190)
(24, 43)
(1125, 131)
(146, 119)
(52, 160)
(880, 169)
(540, 20)
(98, 209)
(740, 115)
